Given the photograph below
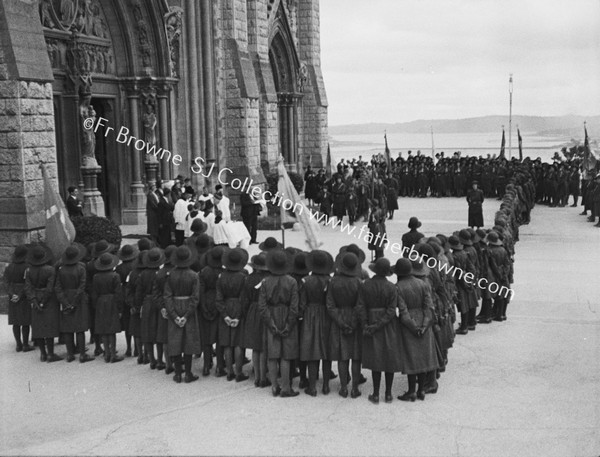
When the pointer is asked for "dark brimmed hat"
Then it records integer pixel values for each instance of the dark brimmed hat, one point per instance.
(182, 257)
(277, 262)
(474, 237)
(72, 255)
(19, 255)
(106, 262)
(454, 243)
(203, 243)
(235, 259)
(198, 226)
(269, 244)
(320, 262)
(481, 233)
(153, 258)
(145, 244)
(354, 249)
(414, 223)
(418, 268)
(170, 249)
(259, 262)
(464, 237)
(348, 264)
(39, 255)
(299, 263)
(214, 257)
(493, 239)
(381, 267)
(127, 253)
(402, 268)
(426, 249)
(101, 247)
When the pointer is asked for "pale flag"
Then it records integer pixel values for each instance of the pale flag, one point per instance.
(290, 199)
(60, 232)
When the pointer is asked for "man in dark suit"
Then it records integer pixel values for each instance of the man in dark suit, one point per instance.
(165, 218)
(250, 211)
(74, 205)
(152, 200)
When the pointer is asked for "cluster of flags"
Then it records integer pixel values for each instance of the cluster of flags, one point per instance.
(60, 232)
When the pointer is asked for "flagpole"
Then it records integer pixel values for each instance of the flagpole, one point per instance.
(510, 91)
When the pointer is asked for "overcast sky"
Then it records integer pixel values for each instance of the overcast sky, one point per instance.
(402, 60)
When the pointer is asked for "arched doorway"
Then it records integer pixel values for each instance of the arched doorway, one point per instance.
(285, 65)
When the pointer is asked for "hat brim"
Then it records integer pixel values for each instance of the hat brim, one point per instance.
(96, 254)
(20, 259)
(43, 261)
(100, 267)
(278, 270)
(239, 266)
(75, 260)
(128, 258)
(320, 269)
(262, 247)
(361, 254)
(182, 263)
(374, 270)
(157, 263)
(402, 274)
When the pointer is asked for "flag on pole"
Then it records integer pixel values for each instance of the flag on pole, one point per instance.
(520, 145)
(388, 159)
(589, 158)
(503, 144)
(290, 199)
(331, 167)
(60, 232)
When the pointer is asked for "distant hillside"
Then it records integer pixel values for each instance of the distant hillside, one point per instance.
(543, 125)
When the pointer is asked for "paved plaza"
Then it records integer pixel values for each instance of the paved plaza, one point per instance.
(528, 386)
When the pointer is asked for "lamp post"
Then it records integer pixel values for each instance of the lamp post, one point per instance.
(510, 92)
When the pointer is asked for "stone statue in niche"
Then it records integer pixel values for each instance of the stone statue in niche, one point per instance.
(302, 77)
(173, 22)
(88, 140)
(46, 14)
(149, 120)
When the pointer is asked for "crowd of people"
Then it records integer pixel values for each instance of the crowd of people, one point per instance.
(297, 311)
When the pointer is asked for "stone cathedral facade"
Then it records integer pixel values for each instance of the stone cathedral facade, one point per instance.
(232, 83)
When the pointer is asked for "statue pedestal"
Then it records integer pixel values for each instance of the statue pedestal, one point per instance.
(93, 202)
(151, 167)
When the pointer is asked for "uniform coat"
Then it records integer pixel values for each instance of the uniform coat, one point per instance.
(253, 329)
(123, 270)
(107, 302)
(70, 291)
(316, 323)
(342, 298)
(208, 313)
(19, 313)
(466, 299)
(182, 291)
(145, 301)
(39, 288)
(475, 200)
(135, 322)
(278, 305)
(158, 291)
(229, 290)
(376, 308)
(418, 354)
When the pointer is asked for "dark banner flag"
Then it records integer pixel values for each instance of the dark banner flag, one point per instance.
(388, 159)
(589, 158)
(503, 144)
(60, 232)
(520, 145)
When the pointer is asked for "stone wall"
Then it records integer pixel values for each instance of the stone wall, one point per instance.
(27, 136)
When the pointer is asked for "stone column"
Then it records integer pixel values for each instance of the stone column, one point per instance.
(209, 79)
(93, 201)
(136, 213)
(163, 124)
(291, 139)
(27, 136)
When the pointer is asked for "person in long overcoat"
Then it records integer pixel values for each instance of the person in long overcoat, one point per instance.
(338, 192)
(39, 289)
(298, 270)
(162, 326)
(345, 336)
(165, 218)
(475, 200)
(208, 314)
(499, 267)
(152, 200)
(311, 188)
(96, 250)
(127, 254)
(19, 309)
(316, 323)
(466, 239)
(278, 307)
(417, 342)
(149, 311)
(392, 194)
(253, 328)
(107, 299)
(70, 292)
(182, 292)
(376, 308)
(135, 321)
(465, 292)
(229, 287)
(428, 276)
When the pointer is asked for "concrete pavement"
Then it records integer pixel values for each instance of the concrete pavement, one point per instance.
(528, 386)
